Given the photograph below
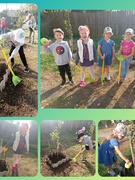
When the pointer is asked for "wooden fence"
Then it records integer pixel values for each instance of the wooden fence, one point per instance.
(95, 20)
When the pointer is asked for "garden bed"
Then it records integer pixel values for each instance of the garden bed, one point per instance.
(56, 159)
(4, 171)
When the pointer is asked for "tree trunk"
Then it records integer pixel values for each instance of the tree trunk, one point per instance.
(133, 155)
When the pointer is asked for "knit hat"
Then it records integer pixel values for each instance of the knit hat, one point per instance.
(129, 30)
(107, 30)
(19, 35)
(58, 30)
(80, 135)
(120, 130)
(83, 128)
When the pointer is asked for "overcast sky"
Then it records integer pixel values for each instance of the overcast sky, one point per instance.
(9, 6)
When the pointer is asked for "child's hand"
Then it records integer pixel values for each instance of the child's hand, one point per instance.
(72, 63)
(102, 57)
(27, 152)
(127, 161)
(95, 63)
(126, 57)
(113, 59)
(9, 60)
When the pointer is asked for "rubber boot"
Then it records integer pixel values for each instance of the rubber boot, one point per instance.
(16, 166)
(13, 171)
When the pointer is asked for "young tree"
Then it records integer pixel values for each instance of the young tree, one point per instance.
(55, 134)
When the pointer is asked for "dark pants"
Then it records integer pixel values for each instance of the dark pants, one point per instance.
(21, 53)
(65, 69)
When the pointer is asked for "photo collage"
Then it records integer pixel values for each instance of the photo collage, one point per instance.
(67, 90)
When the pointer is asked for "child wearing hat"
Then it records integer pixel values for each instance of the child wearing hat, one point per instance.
(17, 38)
(62, 54)
(86, 145)
(108, 147)
(106, 48)
(3, 25)
(82, 130)
(19, 141)
(127, 48)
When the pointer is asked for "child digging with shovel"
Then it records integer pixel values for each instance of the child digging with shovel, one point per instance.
(86, 145)
(19, 141)
(17, 38)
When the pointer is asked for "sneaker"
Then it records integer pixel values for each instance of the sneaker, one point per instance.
(26, 70)
(72, 82)
(63, 84)
(81, 84)
(94, 83)
(108, 77)
(111, 172)
(122, 79)
(119, 167)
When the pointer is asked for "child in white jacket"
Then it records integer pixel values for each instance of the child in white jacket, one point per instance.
(17, 39)
(19, 141)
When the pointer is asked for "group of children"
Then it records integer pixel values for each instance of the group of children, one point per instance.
(87, 56)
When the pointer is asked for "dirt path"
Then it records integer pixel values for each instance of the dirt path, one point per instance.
(21, 100)
(110, 95)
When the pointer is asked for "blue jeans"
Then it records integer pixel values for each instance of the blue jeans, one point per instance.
(125, 67)
(3, 31)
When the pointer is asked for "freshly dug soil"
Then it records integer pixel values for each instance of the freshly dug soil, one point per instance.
(3, 165)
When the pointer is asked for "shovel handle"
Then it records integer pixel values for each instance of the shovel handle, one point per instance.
(8, 64)
(103, 65)
(119, 72)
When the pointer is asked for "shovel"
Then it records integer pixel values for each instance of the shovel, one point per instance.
(90, 79)
(75, 158)
(15, 79)
(103, 70)
(120, 59)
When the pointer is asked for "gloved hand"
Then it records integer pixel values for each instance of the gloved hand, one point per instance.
(83, 147)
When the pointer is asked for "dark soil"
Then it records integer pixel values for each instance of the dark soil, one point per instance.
(21, 100)
(3, 165)
(56, 157)
(3, 68)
